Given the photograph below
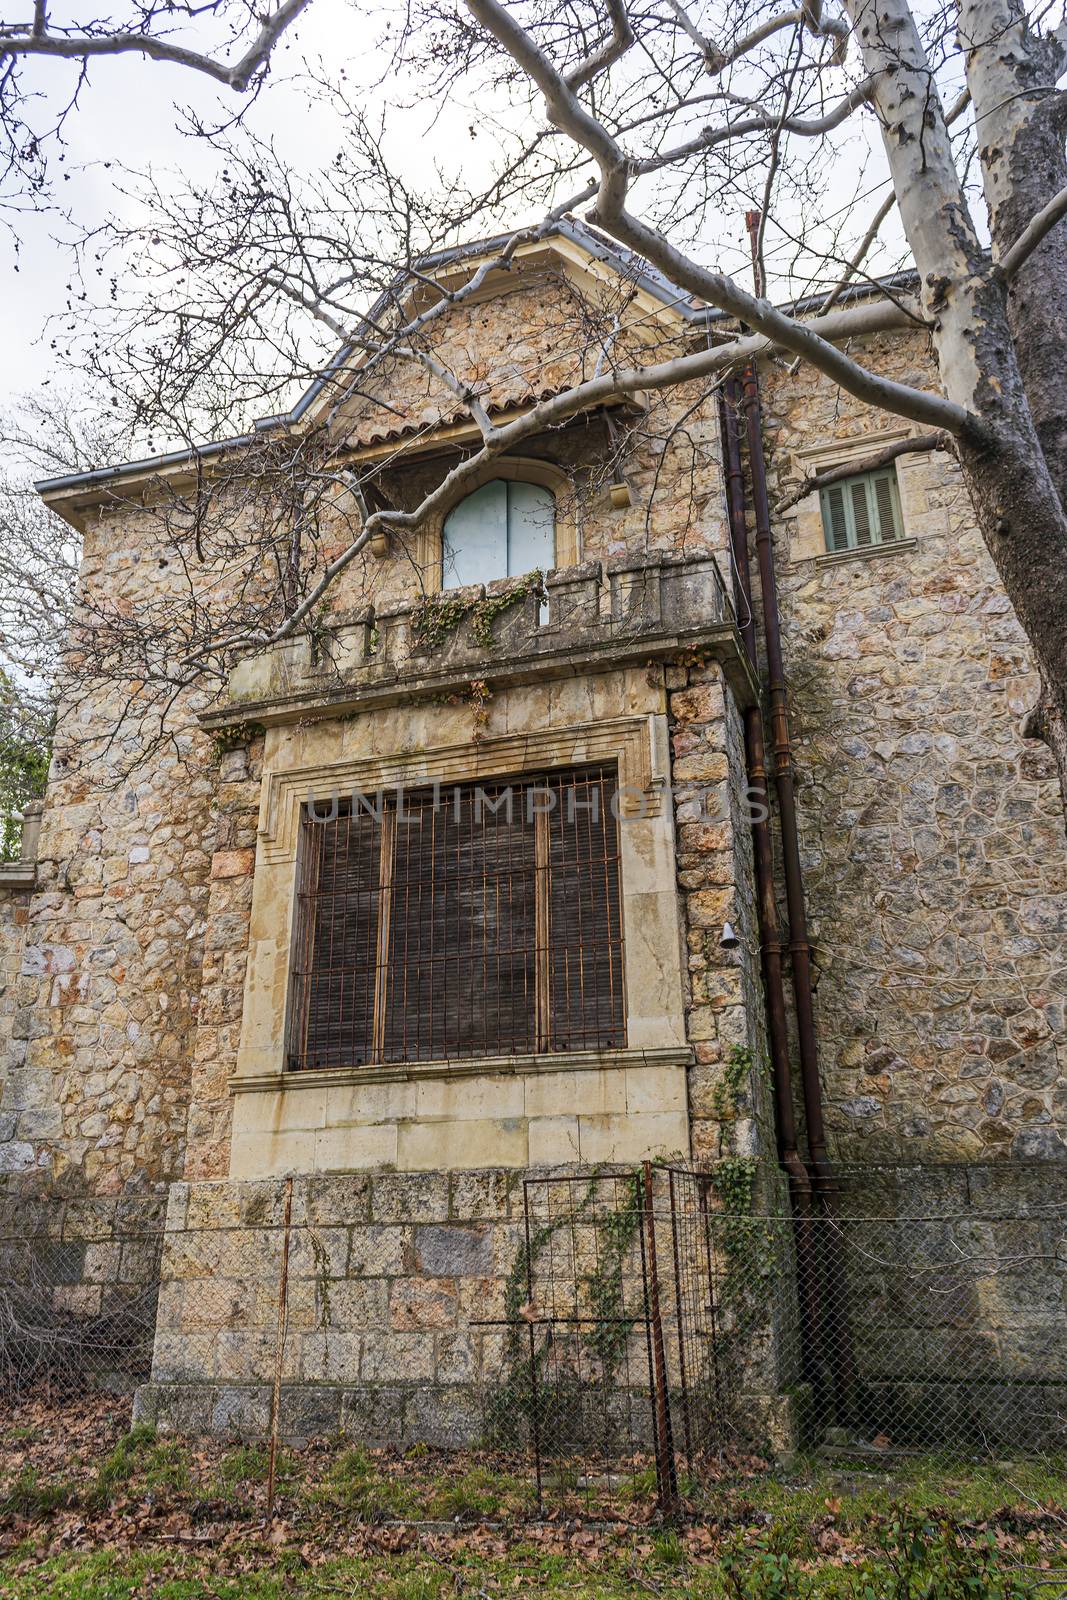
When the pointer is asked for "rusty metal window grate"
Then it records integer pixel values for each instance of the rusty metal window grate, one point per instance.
(452, 922)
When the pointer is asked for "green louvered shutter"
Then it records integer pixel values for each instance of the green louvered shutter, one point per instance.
(861, 516)
(861, 511)
(887, 504)
(833, 517)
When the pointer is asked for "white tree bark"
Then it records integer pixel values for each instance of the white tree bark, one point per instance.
(1016, 497)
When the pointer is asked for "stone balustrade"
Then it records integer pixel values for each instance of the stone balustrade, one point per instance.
(587, 618)
(22, 874)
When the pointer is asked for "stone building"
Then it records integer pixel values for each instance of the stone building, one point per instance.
(231, 969)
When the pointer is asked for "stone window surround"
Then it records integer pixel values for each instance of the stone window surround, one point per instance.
(808, 541)
(637, 744)
(523, 469)
(269, 1097)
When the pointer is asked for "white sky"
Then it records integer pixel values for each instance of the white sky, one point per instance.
(130, 110)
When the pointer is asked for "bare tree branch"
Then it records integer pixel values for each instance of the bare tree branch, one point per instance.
(860, 253)
(918, 443)
(622, 37)
(568, 114)
(36, 40)
(1033, 234)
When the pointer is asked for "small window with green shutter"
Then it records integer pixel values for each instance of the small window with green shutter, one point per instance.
(861, 511)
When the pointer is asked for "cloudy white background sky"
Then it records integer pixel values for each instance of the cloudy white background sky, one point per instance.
(131, 112)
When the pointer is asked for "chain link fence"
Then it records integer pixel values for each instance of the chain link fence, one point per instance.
(607, 1343)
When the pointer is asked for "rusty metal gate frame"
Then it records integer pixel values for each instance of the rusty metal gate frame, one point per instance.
(650, 1317)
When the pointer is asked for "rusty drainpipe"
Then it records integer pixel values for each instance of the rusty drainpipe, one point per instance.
(834, 1323)
(766, 903)
(755, 762)
(837, 1373)
(799, 945)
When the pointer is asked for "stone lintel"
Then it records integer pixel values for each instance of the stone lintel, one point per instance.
(17, 875)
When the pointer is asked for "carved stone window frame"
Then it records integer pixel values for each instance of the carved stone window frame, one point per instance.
(650, 906)
(515, 469)
(807, 541)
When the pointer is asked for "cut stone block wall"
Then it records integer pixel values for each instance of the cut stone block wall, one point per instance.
(401, 1285)
(388, 1274)
(407, 1309)
(959, 1299)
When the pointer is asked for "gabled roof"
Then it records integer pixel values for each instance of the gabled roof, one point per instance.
(466, 257)
(581, 247)
(569, 239)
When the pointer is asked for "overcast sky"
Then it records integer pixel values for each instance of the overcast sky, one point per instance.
(131, 110)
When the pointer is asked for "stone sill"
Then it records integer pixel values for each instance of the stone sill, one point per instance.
(467, 1067)
(834, 558)
(18, 875)
(718, 642)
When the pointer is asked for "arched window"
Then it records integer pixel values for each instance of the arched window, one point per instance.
(502, 530)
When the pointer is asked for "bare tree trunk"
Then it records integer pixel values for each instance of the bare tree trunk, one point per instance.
(1021, 150)
(1016, 500)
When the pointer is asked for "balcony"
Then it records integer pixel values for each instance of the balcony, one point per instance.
(579, 620)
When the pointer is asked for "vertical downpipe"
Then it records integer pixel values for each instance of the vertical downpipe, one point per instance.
(836, 1338)
(799, 945)
(767, 908)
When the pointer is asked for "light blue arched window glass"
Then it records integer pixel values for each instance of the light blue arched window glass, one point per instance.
(502, 530)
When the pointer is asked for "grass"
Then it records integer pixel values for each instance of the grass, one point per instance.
(96, 1510)
(619, 1569)
(139, 1457)
(354, 1485)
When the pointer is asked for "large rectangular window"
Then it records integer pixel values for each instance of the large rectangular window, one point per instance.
(470, 920)
(861, 511)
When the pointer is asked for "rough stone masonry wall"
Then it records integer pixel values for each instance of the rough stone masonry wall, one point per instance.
(931, 830)
(104, 1001)
(14, 916)
(724, 1013)
(226, 930)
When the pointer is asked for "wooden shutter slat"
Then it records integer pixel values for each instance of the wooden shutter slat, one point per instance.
(886, 502)
(861, 514)
(834, 518)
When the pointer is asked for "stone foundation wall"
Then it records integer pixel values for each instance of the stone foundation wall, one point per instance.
(407, 1309)
(387, 1278)
(79, 1281)
(959, 1300)
(400, 1288)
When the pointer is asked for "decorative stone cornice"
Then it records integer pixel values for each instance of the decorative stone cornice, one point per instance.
(596, 619)
(638, 744)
